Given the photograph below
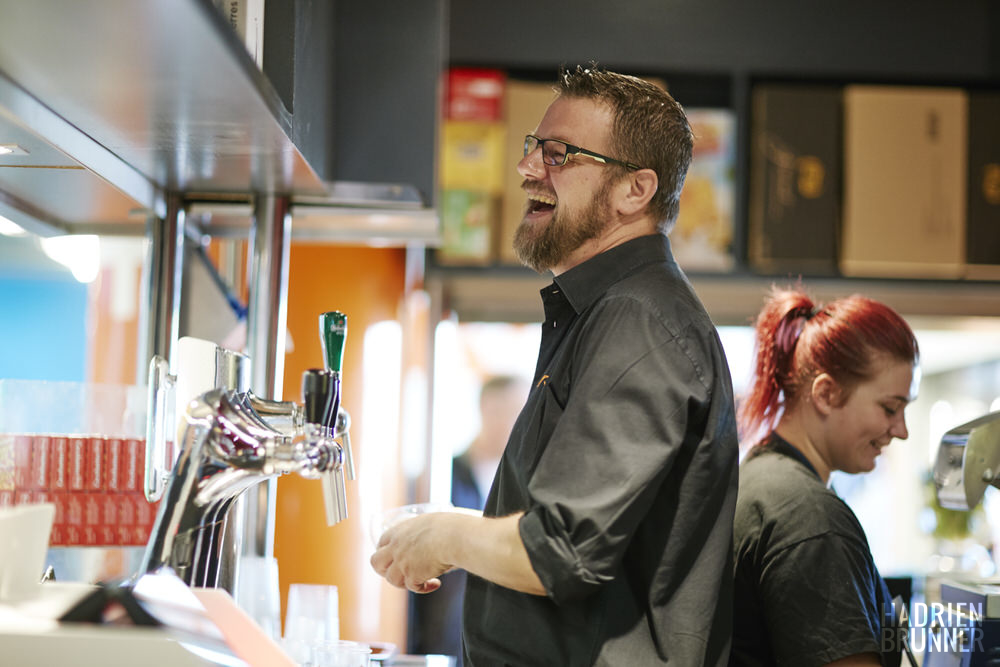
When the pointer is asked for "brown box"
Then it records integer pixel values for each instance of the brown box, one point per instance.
(795, 171)
(524, 106)
(983, 221)
(905, 161)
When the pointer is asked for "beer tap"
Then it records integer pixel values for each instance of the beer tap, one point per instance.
(321, 399)
(226, 448)
(333, 336)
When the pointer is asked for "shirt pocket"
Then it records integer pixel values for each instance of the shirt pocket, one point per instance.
(548, 410)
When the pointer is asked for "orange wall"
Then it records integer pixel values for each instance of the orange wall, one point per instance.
(366, 284)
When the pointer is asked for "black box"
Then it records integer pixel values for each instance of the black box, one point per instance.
(795, 179)
(982, 250)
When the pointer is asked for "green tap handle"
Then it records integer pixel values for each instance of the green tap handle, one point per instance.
(332, 336)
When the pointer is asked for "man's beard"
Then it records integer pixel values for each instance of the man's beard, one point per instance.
(541, 246)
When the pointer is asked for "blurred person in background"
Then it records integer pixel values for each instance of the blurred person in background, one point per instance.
(831, 383)
(607, 534)
(435, 621)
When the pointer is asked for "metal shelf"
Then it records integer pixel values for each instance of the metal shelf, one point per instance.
(119, 104)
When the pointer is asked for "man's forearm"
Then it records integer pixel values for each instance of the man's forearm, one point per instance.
(491, 548)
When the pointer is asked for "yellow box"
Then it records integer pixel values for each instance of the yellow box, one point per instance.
(472, 156)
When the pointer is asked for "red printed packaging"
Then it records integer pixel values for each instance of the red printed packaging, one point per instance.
(134, 462)
(77, 463)
(74, 509)
(58, 463)
(94, 461)
(22, 462)
(143, 511)
(91, 509)
(113, 461)
(38, 478)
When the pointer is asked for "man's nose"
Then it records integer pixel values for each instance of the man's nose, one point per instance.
(531, 165)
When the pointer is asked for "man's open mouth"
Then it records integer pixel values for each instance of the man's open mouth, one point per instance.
(540, 203)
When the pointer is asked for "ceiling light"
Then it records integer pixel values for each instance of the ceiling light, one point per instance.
(10, 228)
(80, 254)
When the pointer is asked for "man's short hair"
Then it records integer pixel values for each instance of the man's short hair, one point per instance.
(649, 129)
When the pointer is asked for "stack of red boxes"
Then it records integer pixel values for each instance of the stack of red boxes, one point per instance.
(95, 483)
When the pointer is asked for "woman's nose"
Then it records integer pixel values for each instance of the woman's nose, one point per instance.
(899, 429)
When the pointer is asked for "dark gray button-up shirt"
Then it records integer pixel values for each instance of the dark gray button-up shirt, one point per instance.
(624, 461)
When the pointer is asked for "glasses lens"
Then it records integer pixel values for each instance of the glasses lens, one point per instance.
(553, 152)
(530, 144)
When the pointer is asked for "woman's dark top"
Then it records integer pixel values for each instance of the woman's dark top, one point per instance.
(807, 589)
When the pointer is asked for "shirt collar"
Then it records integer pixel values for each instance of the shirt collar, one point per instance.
(777, 444)
(585, 282)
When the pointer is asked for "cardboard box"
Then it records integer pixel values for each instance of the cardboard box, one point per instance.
(702, 238)
(468, 220)
(905, 163)
(983, 217)
(474, 94)
(795, 172)
(472, 156)
(246, 17)
(524, 106)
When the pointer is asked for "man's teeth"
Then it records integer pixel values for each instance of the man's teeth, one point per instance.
(543, 199)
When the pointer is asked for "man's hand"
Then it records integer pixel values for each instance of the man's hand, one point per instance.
(408, 553)
(415, 552)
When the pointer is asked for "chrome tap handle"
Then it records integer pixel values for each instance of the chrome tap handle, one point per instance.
(157, 466)
(335, 493)
(321, 400)
(284, 416)
(342, 432)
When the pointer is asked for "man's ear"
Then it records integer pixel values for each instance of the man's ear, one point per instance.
(825, 393)
(638, 188)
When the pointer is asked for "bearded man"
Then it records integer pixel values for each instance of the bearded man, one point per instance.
(607, 533)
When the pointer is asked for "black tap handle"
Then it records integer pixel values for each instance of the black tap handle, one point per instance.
(321, 397)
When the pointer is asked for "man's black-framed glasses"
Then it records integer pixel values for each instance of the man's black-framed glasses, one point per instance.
(555, 153)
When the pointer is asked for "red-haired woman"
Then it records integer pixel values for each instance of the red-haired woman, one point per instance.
(831, 383)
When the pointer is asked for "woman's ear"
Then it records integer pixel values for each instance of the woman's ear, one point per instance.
(638, 189)
(825, 393)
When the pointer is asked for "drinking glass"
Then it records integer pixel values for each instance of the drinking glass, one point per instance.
(340, 654)
(380, 522)
(258, 595)
(311, 618)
